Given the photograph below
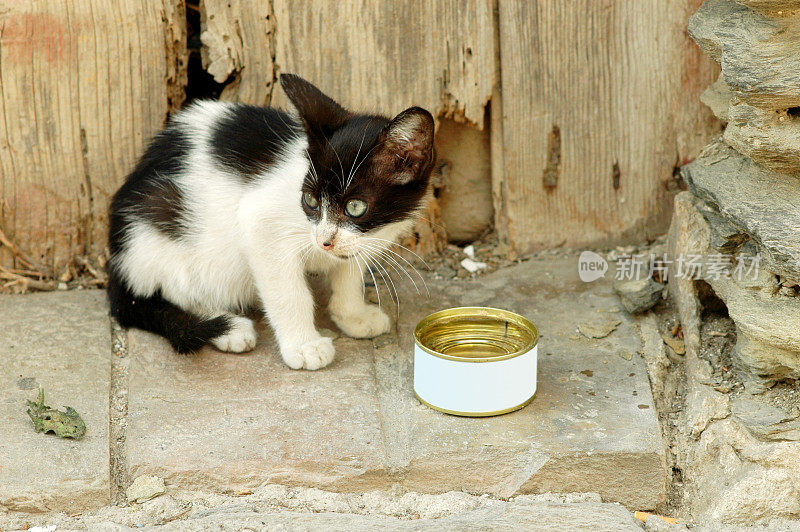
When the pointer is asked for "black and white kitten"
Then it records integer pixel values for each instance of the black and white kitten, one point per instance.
(232, 204)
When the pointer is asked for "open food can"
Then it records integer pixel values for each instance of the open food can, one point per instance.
(475, 361)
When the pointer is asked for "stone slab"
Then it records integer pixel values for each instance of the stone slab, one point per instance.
(539, 516)
(274, 507)
(61, 342)
(739, 39)
(228, 422)
(592, 426)
(754, 199)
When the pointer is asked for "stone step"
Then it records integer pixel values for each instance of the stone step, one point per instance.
(227, 422)
(224, 422)
(61, 342)
(522, 515)
(275, 507)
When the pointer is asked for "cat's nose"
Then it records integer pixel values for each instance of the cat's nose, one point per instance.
(326, 242)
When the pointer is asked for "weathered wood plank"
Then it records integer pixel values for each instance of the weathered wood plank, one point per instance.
(600, 102)
(238, 47)
(385, 56)
(82, 87)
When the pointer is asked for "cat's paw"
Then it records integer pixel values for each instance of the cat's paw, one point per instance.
(240, 338)
(368, 321)
(311, 355)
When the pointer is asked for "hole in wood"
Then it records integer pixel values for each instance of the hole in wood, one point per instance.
(550, 176)
(200, 84)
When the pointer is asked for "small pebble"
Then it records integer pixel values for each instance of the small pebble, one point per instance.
(472, 266)
(144, 488)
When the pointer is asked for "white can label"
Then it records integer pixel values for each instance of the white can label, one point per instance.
(474, 387)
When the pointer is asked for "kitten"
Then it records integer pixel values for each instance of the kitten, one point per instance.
(231, 205)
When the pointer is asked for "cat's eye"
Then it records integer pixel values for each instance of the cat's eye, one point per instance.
(310, 201)
(355, 208)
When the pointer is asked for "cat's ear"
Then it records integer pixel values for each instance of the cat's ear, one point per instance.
(315, 108)
(405, 147)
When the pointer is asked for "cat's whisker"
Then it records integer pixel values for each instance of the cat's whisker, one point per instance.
(395, 265)
(352, 167)
(294, 231)
(401, 246)
(306, 255)
(366, 155)
(341, 166)
(389, 275)
(290, 237)
(311, 165)
(427, 220)
(349, 266)
(375, 282)
(377, 287)
(290, 224)
(390, 253)
(292, 250)
(361, 272)
(389, 250)
(298, 248)
(394, 297)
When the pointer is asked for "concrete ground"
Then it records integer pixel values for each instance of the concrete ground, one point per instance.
(220, 429)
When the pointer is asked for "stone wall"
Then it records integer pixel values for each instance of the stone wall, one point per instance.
(747, 183)
(740, 437)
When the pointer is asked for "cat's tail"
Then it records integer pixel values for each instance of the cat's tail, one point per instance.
(186, 332)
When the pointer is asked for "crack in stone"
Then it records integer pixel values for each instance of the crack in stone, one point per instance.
(118, 413)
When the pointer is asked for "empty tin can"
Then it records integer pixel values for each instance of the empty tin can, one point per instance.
(475, 361)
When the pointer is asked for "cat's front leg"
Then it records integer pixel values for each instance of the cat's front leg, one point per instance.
(289, 306)
(348, 310)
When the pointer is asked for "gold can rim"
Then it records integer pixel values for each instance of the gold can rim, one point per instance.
(477, 414)
(482, 312)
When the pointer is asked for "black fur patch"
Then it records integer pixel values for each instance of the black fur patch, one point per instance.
(249, 139)
(149, 192)
(186, 332)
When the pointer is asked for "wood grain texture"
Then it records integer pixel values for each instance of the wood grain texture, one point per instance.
(83, 85)
(238, 47)
(386, 56)
(620, 82)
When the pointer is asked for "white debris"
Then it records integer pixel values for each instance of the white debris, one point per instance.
(144, 488)
(472, 266)
(47, 528)
(469, 251)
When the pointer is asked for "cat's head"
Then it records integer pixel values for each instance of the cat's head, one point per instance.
(368, 176)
